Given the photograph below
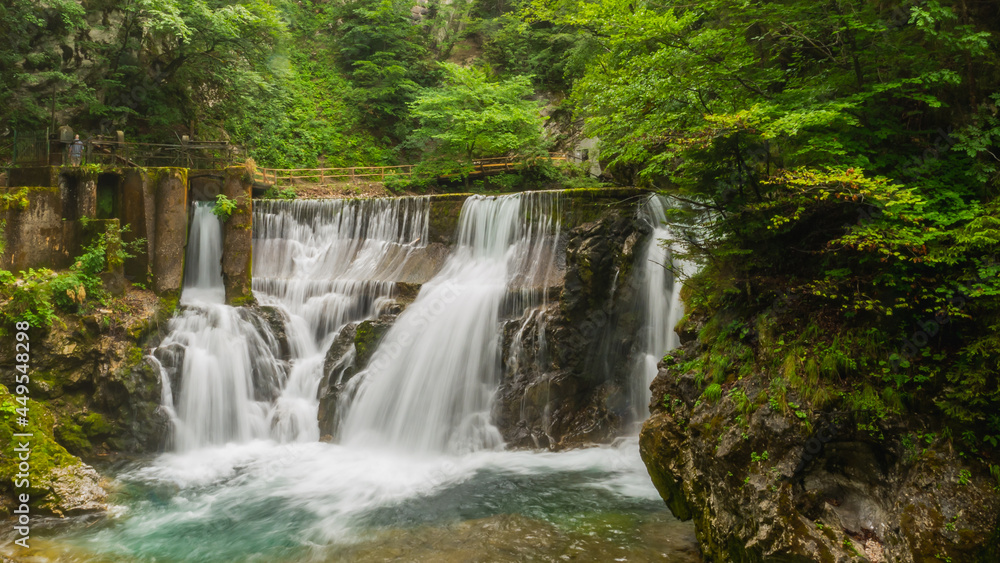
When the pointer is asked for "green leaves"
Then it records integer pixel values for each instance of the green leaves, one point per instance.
(475, 115)
(224, 207)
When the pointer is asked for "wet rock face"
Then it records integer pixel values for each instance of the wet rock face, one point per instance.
(349, 354)
(567, 365)
(765, 485)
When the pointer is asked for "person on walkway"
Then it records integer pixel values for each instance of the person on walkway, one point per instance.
(76, 151)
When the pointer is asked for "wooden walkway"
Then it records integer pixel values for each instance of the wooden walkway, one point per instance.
(328, 176)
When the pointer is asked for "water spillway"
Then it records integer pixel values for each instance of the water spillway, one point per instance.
(467, 316)
(428, 387)
(322, 267)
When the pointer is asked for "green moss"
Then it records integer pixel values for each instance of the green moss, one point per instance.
(243, 300)
(94, 424)
(46, 452)
(156, 176)
(168, 304)
(366, 339)
(443, 216)
(73, 438)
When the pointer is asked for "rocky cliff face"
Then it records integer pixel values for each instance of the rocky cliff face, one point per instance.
(764, 483)
(568, 363)
(93, 393)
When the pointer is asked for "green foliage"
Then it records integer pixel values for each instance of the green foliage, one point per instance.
(35, 295)
(224, 207)
(713, 393)
(274, 192)
(853, 220)
(384, 56)
(514, 42)
(301, 116)
(979, 139)
(473, 115)
(27, 298)
(69, 291)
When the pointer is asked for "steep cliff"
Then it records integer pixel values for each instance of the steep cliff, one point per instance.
(766, 478)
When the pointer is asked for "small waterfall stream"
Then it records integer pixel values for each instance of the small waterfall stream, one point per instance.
(659, 302)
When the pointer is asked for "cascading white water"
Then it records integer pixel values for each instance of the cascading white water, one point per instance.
(226, 365)
(325, 264)
(203, 273)
(334, 261)
(321, 265)
(659, 302)
(226, 361)
(428, 386)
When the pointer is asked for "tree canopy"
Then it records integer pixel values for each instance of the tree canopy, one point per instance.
(474, 115)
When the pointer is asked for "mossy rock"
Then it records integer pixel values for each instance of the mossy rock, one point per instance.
(46, 456)
(367, 337)
(72, 437)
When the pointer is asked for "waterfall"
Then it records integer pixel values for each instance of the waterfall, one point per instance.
(226, 360)
(658, 302)
(318, 265)
(325, 264)
(428, 386)
(241, 374)
(418, 469)
(228, 374)
(203, 273)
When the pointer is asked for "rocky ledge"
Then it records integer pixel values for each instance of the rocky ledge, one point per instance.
(766, 483)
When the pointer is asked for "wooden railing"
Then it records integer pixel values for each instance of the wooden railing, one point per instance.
(327, 176)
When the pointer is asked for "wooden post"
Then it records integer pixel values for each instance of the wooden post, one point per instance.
(322, 177)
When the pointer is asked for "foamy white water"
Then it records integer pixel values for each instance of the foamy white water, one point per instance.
(428, 387)
(265, 501)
